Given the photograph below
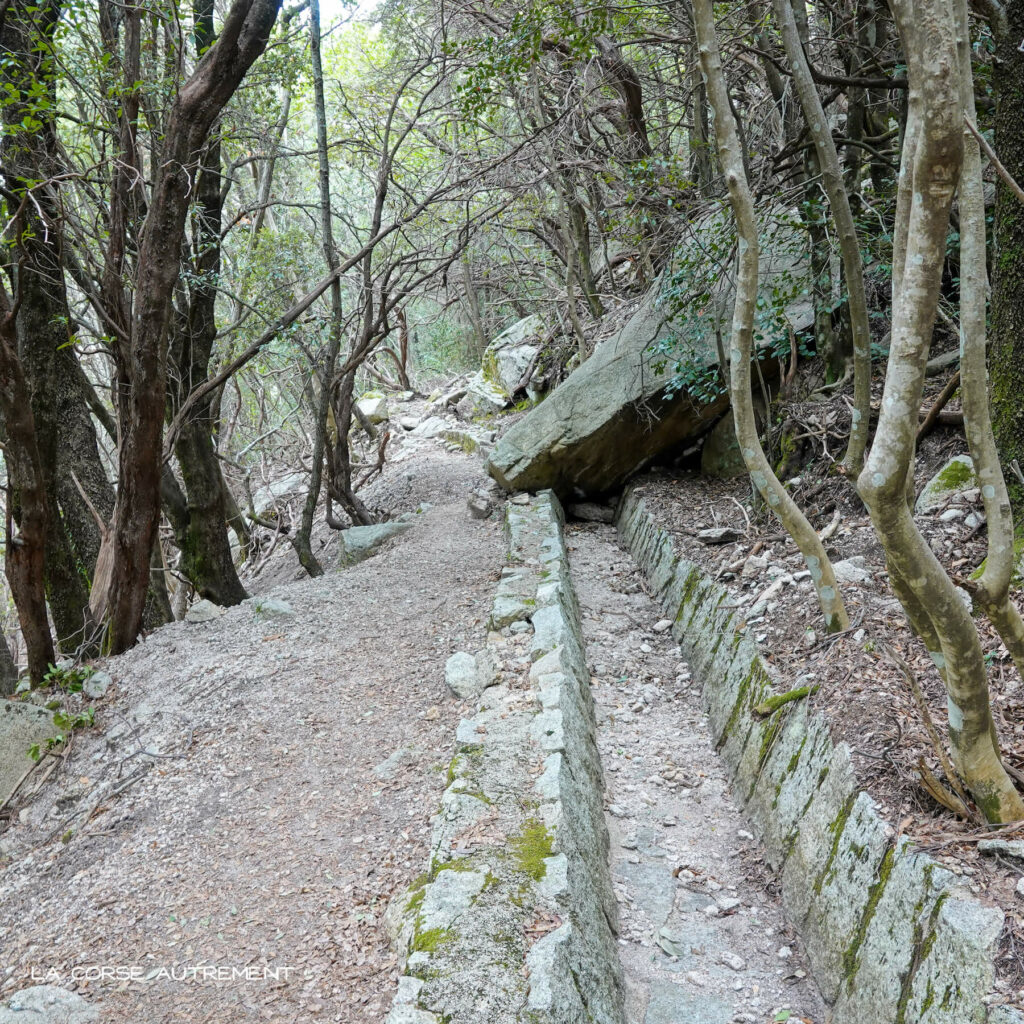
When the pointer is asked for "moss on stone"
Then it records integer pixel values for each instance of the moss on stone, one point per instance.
(769, 733)
(532, 847)
(431, 940)
(837, 827)
(851, 955)
(954, 476)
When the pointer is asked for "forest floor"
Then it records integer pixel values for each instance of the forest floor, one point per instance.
(258, 786)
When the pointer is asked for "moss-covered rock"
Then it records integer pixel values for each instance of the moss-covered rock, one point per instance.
(956, 476)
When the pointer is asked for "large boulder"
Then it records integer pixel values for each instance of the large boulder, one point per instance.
(508, 357)
(482, 398)
(21, 726)
(608, 418)
(626, 404)
(503, 365)
(721, 456)
(374, 406)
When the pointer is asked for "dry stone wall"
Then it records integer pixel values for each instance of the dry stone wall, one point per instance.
(514, 918)
(891, 937)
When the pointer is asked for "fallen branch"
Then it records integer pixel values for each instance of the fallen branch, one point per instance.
(772, 704)
(928, 424)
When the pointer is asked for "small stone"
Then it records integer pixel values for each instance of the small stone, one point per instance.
(272, 608)
(754, 566)
(662, 625)
(852, 570)
(1020, 886)
(737, 963)
(629, 843)
(712, 910)
(744, 834)
(784, 953)
(618, 811)
(952, 514)
(479, 506)
(97, 685)
(204, 611)
(974, 521)
(718, 535)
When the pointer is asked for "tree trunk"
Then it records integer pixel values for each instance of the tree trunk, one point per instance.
(202, 536)
(42, 320)
(731, 159)
(25, 551)
(142, 362)
(992, 591)
(839, 201)
(928, 176)
(8, 670)
(1008, 260)
(301, 540)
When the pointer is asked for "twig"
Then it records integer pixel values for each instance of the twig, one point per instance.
(14, 792)
(996, 162)
(927, 779)
(928, 424)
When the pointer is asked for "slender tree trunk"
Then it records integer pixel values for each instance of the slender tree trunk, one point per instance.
(42, 320)
(8, 670)
(301, 539)
(992, 590)
(928, 178)
(849, 244)
(731, 159)
(25, 549)
(205, 548)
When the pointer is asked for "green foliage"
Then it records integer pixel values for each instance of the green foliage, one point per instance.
(66, 723)
(67, 678)
(64, 680)
(693, 286)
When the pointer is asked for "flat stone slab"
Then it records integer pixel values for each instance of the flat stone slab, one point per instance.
(47, 1004)
(21, 725)
(360, 542)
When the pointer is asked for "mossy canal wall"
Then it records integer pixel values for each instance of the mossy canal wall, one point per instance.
(891, 937)
(512, 922)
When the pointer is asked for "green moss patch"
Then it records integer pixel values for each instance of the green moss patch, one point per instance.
(532, 847)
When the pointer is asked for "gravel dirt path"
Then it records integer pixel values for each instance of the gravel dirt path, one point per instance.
(287, 764)
(702, 936)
